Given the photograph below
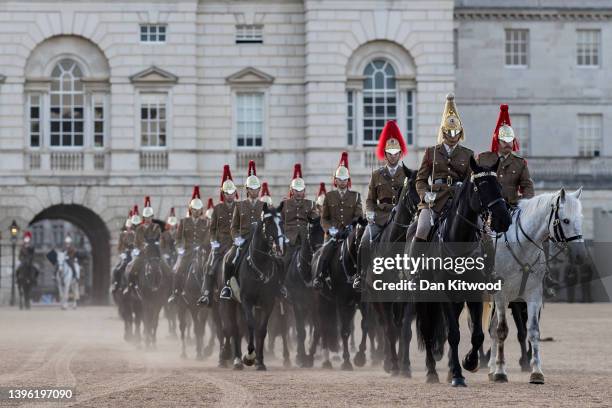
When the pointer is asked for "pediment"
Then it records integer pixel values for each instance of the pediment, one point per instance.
(250, 76)
(154, 75)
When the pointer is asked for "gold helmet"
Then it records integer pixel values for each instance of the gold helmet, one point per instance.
(209, 209)
(196, 202)
(451, 123)
(321, 194)
(147, 211)
(297, 183)
(172, 220)
(265, 194)
(252, 181)
(136, 220)
(227, 185)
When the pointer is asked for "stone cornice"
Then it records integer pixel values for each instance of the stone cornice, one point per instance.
(531, 14)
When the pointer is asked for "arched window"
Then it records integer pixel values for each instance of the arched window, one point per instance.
(379, 98)
(67, 105)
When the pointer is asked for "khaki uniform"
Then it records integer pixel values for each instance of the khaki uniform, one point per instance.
(449, 169)
(383, 191)
(167, 242)
(339, 210)
(246, 213)
(512, 174)
(220, 224)
(295, 217)
(145, 233)
(126, 240)
(190, 234)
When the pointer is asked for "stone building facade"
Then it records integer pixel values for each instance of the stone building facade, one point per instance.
(104, 102)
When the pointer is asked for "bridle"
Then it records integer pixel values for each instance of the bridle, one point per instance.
(261, 275)
(558, 236)
(485, 211)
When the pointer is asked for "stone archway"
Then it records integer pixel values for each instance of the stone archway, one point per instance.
(99, 237)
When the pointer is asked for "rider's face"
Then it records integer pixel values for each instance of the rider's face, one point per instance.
(299, 194)
(505, 147)
(196, 213)
(342, 184)
(392, 159)
(228, 198)
(147, 220)
(253, 193)
(452, 138)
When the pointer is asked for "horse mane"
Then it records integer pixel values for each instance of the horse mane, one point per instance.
(530, 206)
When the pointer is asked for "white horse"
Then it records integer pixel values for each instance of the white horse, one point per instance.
(520, 260)
(67, 280)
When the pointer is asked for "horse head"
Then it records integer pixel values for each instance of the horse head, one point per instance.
(316, 235)
(565, 224)
(272, 229)
(488, 192)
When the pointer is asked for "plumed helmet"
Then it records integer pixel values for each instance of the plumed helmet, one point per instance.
(297, 183)
(342, 171)
(172, 220)
(252, 181)
(136, 220)
(209, 209)
(147, 211)
(390, 141)
(451, 122)
(227, 184)
(196, 201)
(503, 130)
(321, 194)
(265, 195)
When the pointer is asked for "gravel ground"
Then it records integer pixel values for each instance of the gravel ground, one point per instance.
(84, 349)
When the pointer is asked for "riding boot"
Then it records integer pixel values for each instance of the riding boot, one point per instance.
(228, 271)
(205, 299)
(177, 287)
(417, 243)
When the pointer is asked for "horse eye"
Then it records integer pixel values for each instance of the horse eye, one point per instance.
(566, 221)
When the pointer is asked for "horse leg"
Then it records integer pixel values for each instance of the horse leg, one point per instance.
(284, 338)
(360, 357)
(391, 358)
(493, 349)
(521, 332)
(453, 311)
(300, 358)
(405, 339)
(346, 318)
(182, 326)
(533, 324)
(502, 333)
(260, 338)
(199, 324)
(249, 358)
(470, 361)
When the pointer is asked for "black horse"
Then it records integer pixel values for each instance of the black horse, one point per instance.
(478, 196)
(154, 286)
(396, 317)
(26, 275)
(298, 280)
(187, 303)
(128, 303)
(260, 274)
(339, 300)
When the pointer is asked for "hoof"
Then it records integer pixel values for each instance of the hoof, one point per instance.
(470, 364)
(500, 378)
(247, 361)
(395, 372)
(525, 366)
(260, 367)
(458, 382)
(360, 359)
(346, 366)
(449, 376)
(238, 364)
(536, 378)
(406, 373)
(491, 376)
(327, 365)
(222, 364)
(287, 363)
(432, 378)
(308, 361)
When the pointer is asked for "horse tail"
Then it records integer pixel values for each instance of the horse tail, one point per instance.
(328, 322)
(431, 325)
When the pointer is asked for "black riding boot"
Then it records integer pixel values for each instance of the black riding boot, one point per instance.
(489, 263)
(228, 271)
(176, 288)
(205, 299)
(323, 270)
(416, 242)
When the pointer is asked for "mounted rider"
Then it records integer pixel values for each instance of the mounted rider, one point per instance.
(167, 242)
(220, 232)
(512, 172)
(190, 238)
(246, 213)
(338, 209)
(72, 258)
(26, 252)
(147, 232)
(124, 248)
(385, 184)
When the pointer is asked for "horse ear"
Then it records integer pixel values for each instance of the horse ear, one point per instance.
(265, 208)
(473, 165)
(496, 165)
(562, 195)
(576, 194)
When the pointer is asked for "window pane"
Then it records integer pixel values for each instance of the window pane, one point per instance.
(249, 119)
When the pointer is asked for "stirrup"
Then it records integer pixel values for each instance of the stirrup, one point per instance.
(204, 300)
(226, 293)
(357, 284)
(317, 283)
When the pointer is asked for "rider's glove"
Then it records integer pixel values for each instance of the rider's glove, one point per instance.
(370, 216)
(135, 252)
(123, 255)
(238, 241)
(333, 231)
(181, 250)
(215, 244)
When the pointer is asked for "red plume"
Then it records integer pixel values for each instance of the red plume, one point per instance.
(322, 189)
(172, 213)
(196, 192)
(297, 172)
(252, 171)
(130, 213)
(265, 190)
(210, 204)
(390, 131)
(227, 175)
(344, 162)
(27, 234)
(147, 201)
(135, 211)
(502, 119)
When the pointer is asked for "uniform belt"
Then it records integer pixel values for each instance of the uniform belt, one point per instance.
(386, 201)
(448, 181)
